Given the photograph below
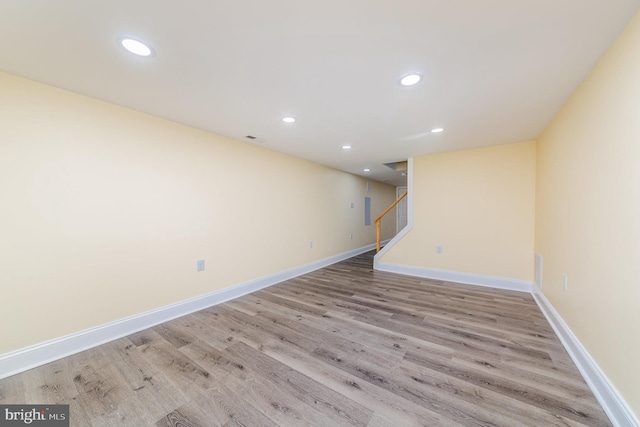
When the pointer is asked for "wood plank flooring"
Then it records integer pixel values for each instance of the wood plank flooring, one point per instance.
(342, 346)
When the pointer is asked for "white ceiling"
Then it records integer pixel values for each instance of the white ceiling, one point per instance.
(495, 71)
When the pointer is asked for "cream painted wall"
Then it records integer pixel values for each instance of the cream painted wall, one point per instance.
(588, 213)
(479, 206)
(104, 212)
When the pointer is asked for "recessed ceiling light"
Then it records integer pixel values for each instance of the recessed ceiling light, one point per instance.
(367, 170)
(410, 79)
(136, 46)
(289, 119)
(346, 147)
(437, 130)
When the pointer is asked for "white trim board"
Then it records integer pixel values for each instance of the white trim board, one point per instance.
(409, 225)
(390, 244)
(454, 276)
(30, 357)
(609, 398)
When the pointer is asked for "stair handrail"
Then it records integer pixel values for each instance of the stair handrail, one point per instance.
(386, 211)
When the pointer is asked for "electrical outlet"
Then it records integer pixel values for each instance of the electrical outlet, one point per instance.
(438, 249)
(351, 236)
(310, 244)
(200, 265)
(564, 281)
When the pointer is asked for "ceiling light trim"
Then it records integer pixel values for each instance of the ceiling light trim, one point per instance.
(411, 79)
(137, 46)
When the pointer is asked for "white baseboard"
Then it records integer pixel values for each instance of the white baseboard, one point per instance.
(391, 243)
(606, 394)
(454, 276)
(612, 402)
(30, 357)
(609, 398)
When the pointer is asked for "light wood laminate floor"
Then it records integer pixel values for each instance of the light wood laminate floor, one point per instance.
(343, 345)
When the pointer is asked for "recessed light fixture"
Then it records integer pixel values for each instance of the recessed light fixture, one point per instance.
(136, 47)
(289, 119)
(367, 170)
(346, 147)
(437, 130)
(410, 79)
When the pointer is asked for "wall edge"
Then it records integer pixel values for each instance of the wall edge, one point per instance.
(603, 389)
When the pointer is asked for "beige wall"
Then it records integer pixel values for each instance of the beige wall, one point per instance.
(104, 212)
(588, 213)
(479, 206)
